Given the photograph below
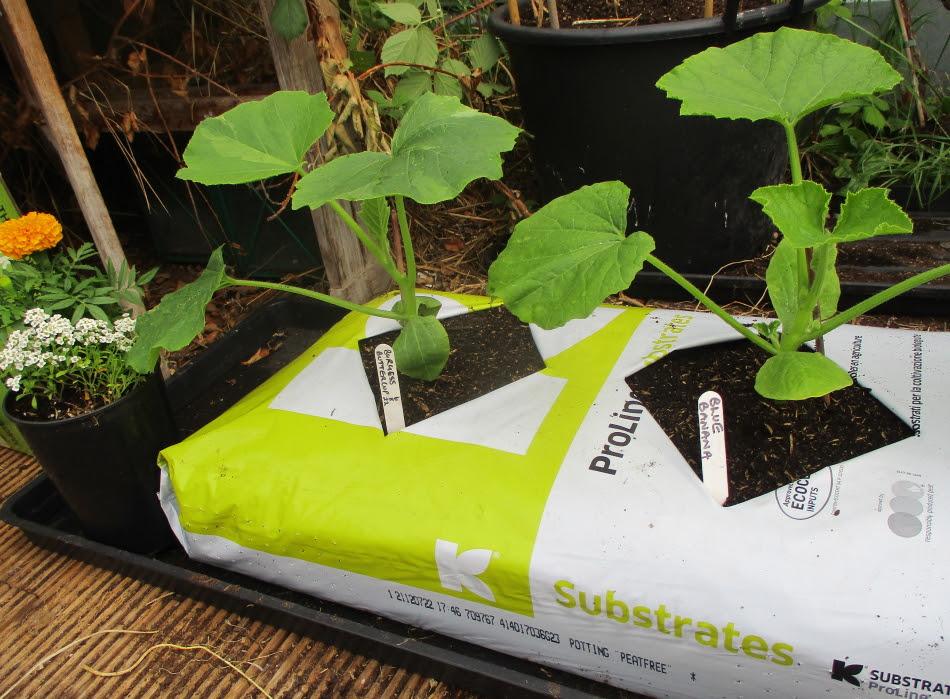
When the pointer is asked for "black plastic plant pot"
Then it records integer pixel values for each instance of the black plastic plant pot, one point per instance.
(104, 465)
(593, 110)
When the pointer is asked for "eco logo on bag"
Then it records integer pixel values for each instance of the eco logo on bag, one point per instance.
(461, 570)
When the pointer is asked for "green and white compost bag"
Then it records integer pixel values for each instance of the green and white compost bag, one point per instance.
(551, 519)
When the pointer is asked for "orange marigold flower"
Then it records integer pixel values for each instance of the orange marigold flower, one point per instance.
(28, 234)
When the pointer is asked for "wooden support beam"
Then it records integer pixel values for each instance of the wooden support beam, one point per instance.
(29, 57)
(353, 273)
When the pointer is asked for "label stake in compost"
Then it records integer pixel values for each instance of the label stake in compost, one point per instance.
(712, 445)
(389, 389)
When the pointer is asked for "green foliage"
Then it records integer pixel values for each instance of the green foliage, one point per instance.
(256, 140)
(439, 148)
(781, 76)
(422, 348)
(66, 283)
(428, 162)
(178, 319)
(413, 45)
(799, 375)
(460, 63)
(289, 18)
(874, 141)
(402, 12)
(565, 259)
(572, 253)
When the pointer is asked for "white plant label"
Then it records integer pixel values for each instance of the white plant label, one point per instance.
(389, 389)
(712, 445)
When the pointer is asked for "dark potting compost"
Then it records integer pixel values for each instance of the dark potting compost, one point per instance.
(634, 12)
(490, 349)
(769, 443)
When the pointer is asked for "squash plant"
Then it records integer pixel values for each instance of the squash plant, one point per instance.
(570, 255)
(439, 147)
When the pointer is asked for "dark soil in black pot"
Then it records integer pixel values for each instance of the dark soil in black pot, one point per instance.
(635, 12)
(490, 349)
(768, 443)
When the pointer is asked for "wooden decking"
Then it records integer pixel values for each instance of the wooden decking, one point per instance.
(49, 601)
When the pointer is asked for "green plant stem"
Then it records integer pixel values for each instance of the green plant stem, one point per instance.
(710, 304)
(375, 249)
(309, 293)
(879, 298)
(795, 167)
(409, 288)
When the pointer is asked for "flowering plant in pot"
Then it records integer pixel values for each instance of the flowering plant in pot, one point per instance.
(93, 422)
(564, 260)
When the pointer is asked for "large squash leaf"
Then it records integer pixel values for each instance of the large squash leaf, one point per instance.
(178, 319)
(799, 375)
(439, 147)
(781, 76)
(258, 139)
(569, 256)
(867, 213)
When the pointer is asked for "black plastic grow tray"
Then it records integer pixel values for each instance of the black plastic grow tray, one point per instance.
(201, 392)
(930, 300)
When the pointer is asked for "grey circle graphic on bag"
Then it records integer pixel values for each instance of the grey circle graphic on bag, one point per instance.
(910, 506)
(907, 489)
(905, 506)
(904, 524)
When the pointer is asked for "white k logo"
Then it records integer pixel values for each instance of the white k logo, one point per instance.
(460, 570)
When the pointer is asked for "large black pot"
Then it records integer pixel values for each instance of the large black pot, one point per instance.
(591, 105)
(104, 465)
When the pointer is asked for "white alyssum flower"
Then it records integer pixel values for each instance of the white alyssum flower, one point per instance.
(4, 262)
(51, 349)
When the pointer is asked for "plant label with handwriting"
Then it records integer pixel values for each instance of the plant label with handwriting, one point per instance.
(389, 391)
(712, 445)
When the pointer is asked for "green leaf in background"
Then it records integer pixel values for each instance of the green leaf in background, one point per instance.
(427, 163)
(781, 278)
(799, 375)
(415, 45)
(256, 140)
(569, 256)
(799, 211)
(781, 76)
(422, 348)
(411, 86)
(289, 18)
(484, 52)
(178, 319)
(456, 67)
(402, 12)
(867, 213)
(375, 213)
(447, 85)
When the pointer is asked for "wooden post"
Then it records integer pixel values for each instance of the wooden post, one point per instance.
(28, 55)
(353, 273)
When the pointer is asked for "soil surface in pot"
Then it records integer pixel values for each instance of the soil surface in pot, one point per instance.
(71, 403)
(598, 14)
(769, 444)
(490, 349)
